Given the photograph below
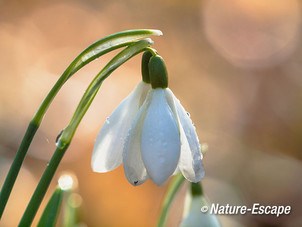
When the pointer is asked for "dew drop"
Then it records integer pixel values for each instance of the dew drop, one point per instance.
(107, 120)
(58, 137)
(204, 148)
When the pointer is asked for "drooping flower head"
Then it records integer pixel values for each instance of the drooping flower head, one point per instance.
(150, 132)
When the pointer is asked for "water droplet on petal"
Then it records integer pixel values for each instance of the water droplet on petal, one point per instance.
(204, 148)
(107, 120)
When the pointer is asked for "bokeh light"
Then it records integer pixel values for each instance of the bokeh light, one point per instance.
(253, 34)
(67, 181)
(75, 200)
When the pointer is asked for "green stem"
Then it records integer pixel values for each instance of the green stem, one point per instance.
(152, 51)
(15, 167)
(94, 51)
(169, 197)
(40, 191)
(67, 135)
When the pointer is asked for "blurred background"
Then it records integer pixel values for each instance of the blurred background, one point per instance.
(235, 65)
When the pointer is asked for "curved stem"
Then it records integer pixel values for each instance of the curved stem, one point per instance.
(94, 51)
(67, 135)
(169, 197)
(16, 165)
(152, 51)
(41, 189)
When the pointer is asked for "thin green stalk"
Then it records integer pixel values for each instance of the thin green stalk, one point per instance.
(169, 197)
(94, 51)
(40, 191)
(15, 167)
(67, 135)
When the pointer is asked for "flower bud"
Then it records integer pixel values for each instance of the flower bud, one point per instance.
(145, 68)
(158, 72)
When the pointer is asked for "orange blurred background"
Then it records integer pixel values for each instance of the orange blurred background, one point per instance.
(235, 66)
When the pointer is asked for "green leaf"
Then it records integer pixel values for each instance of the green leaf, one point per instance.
(50, 214)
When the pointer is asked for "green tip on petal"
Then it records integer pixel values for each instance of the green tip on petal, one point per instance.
(158, 72)
(196, 189)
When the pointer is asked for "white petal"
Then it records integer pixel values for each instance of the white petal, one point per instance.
(176, 171)
(191, 169)
(108, 147)
(190, 162)
(134, 168)
(160, 142)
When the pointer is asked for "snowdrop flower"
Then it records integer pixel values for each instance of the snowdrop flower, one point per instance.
(151, 133)
(193, 217)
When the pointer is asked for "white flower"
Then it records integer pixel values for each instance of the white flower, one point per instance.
(154, 137)
(193, 217)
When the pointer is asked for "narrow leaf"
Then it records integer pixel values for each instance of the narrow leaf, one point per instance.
(50, 214)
